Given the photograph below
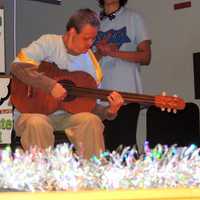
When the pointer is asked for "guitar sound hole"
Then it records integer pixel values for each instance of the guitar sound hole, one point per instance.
(69, 86)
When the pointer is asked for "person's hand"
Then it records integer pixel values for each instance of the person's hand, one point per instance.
(106, 49)
(116, 101)
(58, 92)
(112, 49)
(101, 45)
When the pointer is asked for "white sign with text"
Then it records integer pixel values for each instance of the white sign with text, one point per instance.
(6, 116)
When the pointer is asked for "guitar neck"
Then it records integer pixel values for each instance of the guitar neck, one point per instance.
(103, 94)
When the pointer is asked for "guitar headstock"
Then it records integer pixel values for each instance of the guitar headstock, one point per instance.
(169, 103)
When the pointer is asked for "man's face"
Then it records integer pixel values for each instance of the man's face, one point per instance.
(81, 42)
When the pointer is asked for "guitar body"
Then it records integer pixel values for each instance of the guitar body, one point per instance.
(32, 100)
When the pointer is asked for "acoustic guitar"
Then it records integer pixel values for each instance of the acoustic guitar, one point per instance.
(82, 94)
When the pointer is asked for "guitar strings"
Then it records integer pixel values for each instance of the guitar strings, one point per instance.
(91, 92)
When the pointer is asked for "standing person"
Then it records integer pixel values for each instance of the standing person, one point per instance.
(70, 51)
(122, 46)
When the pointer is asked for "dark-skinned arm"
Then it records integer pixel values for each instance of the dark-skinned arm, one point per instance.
(142, 55)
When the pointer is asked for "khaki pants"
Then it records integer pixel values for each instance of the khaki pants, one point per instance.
(84, 130)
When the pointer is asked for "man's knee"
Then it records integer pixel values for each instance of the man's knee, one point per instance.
(35, 121)
(94, 120)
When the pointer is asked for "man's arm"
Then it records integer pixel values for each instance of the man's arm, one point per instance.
(28, 74)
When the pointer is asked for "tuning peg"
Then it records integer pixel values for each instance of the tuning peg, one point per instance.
(162, 109)
(168, 110)
(174, 111)
(163, 93)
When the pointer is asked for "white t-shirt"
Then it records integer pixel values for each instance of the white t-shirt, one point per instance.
(127, 30)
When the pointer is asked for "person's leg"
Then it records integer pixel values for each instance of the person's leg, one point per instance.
(85, 131)
(34, 129)
(122, 130)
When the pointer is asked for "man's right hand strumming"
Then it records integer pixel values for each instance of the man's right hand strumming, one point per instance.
(58, 92)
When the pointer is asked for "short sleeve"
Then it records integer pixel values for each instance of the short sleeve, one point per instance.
(35, 52)
(140, 27)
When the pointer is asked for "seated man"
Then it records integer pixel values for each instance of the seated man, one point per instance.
(71, 52)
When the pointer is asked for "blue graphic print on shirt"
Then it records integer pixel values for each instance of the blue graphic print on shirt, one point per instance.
(117, 37)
